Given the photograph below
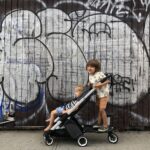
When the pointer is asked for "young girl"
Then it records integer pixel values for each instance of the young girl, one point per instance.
(93, 67)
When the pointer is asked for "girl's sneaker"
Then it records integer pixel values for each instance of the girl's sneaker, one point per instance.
(102, 129)
(96, 126)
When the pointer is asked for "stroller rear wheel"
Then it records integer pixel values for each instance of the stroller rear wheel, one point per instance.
(48, 140)
(113, 138)
(82, 141)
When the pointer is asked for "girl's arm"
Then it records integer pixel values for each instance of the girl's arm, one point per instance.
(100, 85)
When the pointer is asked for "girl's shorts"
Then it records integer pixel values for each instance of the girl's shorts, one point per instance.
(103, 92)
(102, 102)
(60, 110)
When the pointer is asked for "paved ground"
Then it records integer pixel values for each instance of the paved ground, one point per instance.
(32, 140)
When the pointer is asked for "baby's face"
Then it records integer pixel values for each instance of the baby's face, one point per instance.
(91, 70)
(77, 92)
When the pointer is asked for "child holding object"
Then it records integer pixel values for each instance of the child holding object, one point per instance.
(93, 67)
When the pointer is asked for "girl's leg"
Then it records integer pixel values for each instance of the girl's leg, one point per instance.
(99, 115)
(102, 107)
(52, 118)
(99, 118)
(104, 118)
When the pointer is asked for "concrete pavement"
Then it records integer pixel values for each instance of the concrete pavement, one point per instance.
(32, 140)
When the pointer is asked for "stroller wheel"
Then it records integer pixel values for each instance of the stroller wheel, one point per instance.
(113, 138)
(48, 140)
(82, 141)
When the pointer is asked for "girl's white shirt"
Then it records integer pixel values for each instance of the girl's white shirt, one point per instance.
(97, 77)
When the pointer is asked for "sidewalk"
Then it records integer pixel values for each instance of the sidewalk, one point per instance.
(32, 140)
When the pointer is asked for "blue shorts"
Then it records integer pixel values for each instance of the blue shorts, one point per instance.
(60, 110)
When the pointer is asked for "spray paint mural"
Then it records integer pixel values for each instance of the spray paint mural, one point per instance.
(44, 47)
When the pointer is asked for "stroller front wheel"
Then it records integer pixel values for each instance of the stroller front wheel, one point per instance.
(113, 138)
(48, 140)
(82, 141)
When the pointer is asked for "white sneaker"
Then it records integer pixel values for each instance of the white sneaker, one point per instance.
(10, 119)
(96, 126)
(102, 129)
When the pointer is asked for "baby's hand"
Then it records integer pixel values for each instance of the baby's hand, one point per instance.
(48, 120)
(90, 84)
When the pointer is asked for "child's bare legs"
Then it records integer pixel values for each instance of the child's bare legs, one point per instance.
(48, 120)
(102, 116)
(51, 120)
(99, 118)
(99, 113)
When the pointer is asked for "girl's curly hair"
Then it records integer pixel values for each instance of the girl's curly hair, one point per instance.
(94, 63)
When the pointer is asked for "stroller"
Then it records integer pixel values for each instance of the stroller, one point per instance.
(68, 125)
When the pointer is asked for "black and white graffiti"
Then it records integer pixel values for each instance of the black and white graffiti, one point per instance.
(44, 48)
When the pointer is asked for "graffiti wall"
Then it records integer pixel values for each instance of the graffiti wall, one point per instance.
(44, 47)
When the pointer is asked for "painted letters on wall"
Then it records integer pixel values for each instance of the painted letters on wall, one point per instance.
(44, 47)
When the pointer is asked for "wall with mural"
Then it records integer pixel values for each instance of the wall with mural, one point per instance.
(44, 47)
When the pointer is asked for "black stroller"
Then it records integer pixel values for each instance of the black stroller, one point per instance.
(67, 124)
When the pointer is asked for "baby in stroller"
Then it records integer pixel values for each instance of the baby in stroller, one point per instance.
(64, 108)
